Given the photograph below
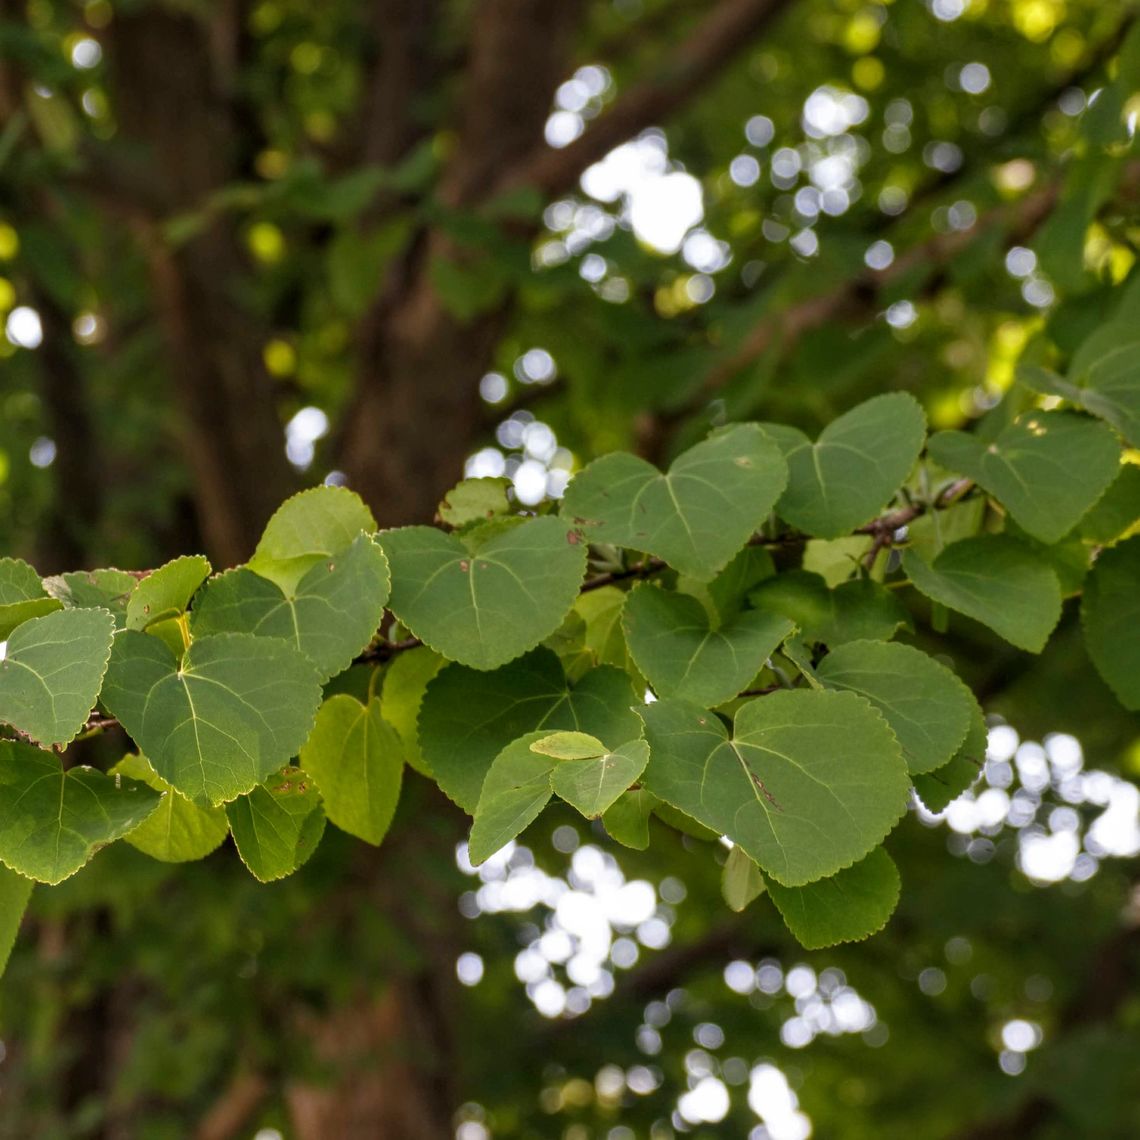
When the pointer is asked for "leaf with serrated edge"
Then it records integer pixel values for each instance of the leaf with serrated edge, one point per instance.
(938, 789)
(674, 645)
(995, 580)
(847, 907)
(356, 760)
(854, 468)
(485, 603)
(1046, 468)
(1110, 615)
(278, 825)
(166, 592)
(51, 673)
(52, 821)
(807, 784)
(514, 793)
(593, 784)
(236, 710)
(22, 595)
(468, 716)
(108, 589)
(307, 529)
(178, 831)
(475, 500)
(741, 881)
(697, 516)
(330, 615)
(925, 704)
(15, 891)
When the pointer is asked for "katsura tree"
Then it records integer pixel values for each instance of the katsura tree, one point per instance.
(816, 482)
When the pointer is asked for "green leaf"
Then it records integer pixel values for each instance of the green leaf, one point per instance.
(166, 592)
(673, 644)
(569, 746)
(356, 760)
(278, 825)
(853, 470)
(808, 783)
(52, 821)
(51, 671)
(515, 791)
(593, 784)
(995, 580)
(741, 881)
(330, 615)
(468, 716)
(939, 789)
(15, 891)
(178, 831)
(627, 819)
(235, 711)
(21, 595)
(1106, 372)
(1118, 510)
(1110, 616)
(854, 611)
(88, 589)
(484, 602)
(847, 907)
(930, 534)
(18, 582)
(475, 500)
(405, 682)
(1046, 468)
(698, 515)
(604, 637)
(836, 560)
(309, 528)
(925, 704)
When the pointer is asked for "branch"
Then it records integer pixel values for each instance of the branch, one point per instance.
(727, 30)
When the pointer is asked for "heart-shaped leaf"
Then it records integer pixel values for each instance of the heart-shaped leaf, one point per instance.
(847, 907)
(808, 783)
(697, 516)
(1110, 615)
(51, 671)
(356, 760)
(475, 500)
(235, 710)
(468, 716)
(178, 831)
(592, 784)
(627, 820)
(676, 648)
(309, 528)
(928, 707)
(1046, 468)
(278, 825)
(486, 598)
(52, 821)
(330, 615)
(995, 580)
(853, 470)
